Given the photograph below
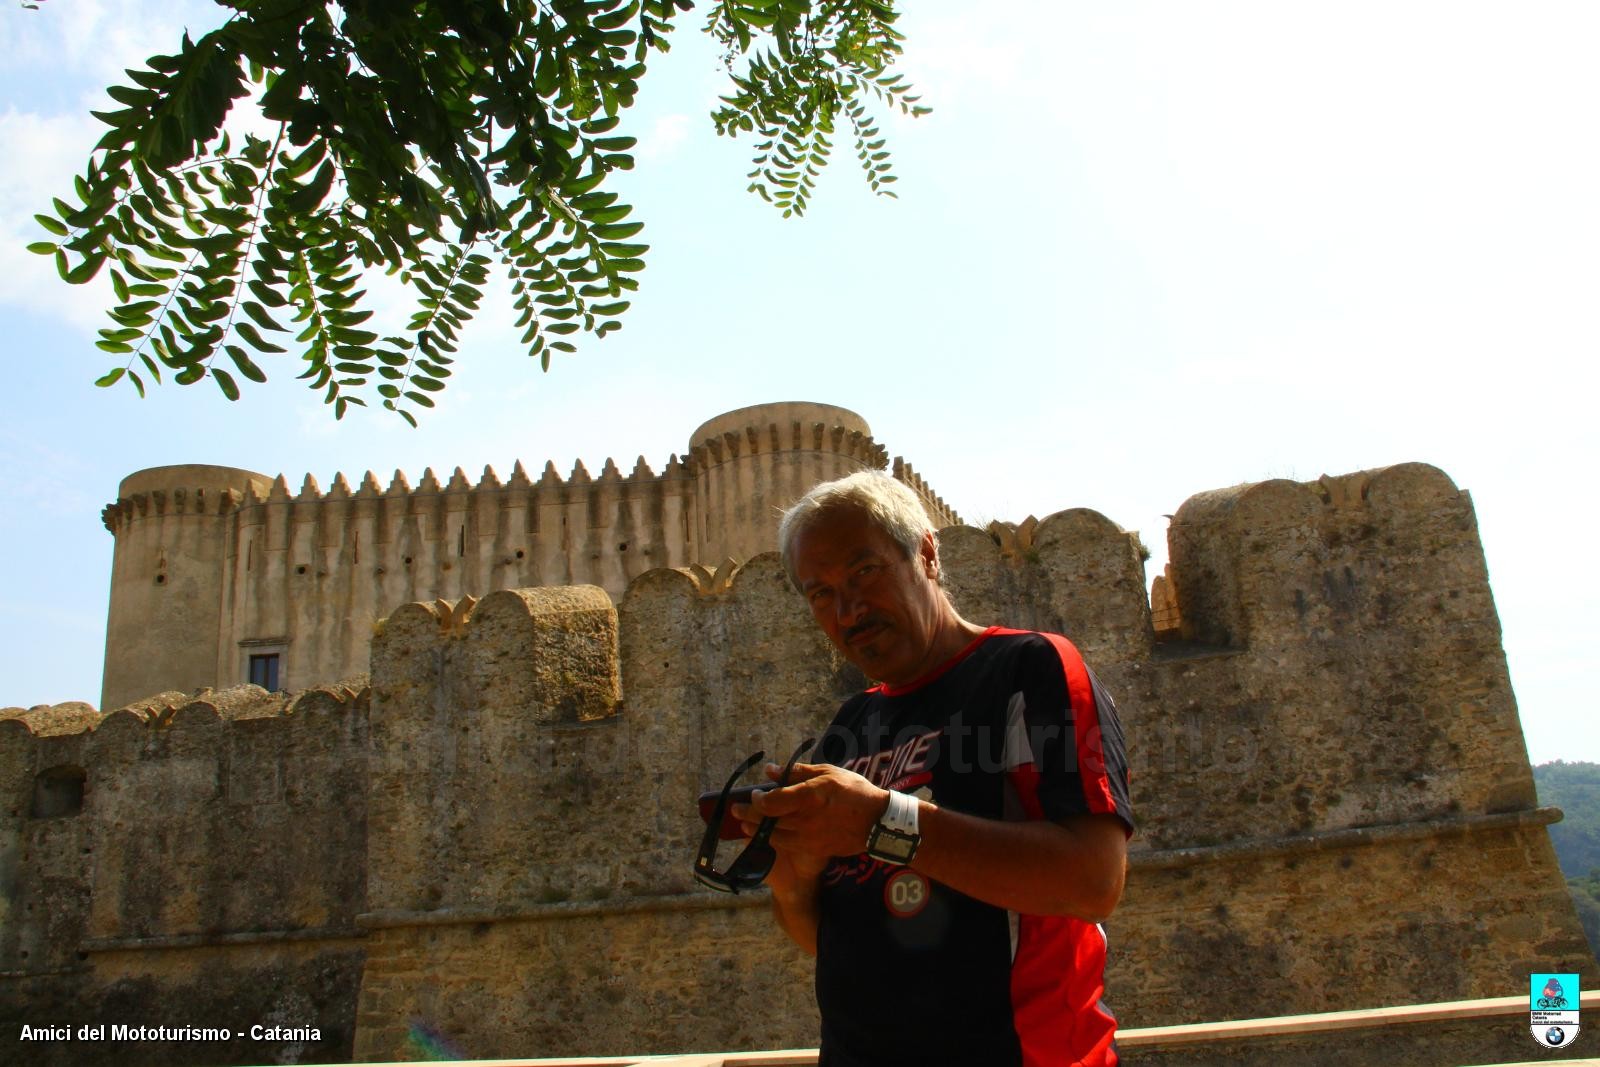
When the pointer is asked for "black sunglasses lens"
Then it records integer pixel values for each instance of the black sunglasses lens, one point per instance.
(755, 861)
(751, 867)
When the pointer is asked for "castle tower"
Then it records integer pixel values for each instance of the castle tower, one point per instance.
(172, 527)
(752, 463)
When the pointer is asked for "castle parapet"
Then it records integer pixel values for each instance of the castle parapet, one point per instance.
(225, 576)
(1280, 561)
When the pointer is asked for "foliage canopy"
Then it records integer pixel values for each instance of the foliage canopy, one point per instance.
(433, 139)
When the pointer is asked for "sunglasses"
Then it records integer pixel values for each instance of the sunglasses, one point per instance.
(752, 865)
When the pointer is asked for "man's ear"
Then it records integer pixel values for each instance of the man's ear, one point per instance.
(928, 553)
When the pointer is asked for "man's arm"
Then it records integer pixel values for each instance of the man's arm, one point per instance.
(1072, 867)
(794, 905)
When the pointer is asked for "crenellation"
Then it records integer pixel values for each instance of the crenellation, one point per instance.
(309, 490)
(490, 480)
(609, 472)
(549, 478)
(458, 482)
(398, 485)
(428, 485)
(56, 720)
(369, 486)
(519, 476)
(579, 475)
(280, 490)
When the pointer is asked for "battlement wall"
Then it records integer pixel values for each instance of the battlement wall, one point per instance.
(507, 818)
(206, 578)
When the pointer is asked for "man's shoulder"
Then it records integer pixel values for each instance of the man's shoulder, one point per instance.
(1041, 644)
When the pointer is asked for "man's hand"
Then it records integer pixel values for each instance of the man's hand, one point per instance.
(825, 811)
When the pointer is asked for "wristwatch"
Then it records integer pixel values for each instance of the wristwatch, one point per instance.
(894, 838)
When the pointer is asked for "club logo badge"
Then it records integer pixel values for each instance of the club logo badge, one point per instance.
(1553, 1009)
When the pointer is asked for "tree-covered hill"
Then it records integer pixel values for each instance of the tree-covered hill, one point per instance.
(1575, 789)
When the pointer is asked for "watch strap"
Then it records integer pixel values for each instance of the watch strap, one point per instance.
(895, 836)
(901, 814)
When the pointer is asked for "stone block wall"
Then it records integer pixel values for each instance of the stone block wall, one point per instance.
(210, 876)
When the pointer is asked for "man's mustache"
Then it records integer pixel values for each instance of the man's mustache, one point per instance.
(862, 627)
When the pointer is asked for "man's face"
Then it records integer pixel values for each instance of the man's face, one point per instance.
(880, 609)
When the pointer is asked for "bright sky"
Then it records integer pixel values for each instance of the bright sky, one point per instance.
(1142, 250)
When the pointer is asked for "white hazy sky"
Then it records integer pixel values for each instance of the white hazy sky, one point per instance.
(1142, 250)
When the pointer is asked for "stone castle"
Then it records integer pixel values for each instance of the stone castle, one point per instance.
(214, 566)
(483, 847)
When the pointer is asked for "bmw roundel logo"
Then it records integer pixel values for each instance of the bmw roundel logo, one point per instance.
(1555, 1036)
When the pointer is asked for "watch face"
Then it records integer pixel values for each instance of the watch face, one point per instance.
(892, 845)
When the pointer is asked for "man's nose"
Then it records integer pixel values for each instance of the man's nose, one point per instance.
(849, 609)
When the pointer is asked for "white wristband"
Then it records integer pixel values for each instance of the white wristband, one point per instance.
(901, 814)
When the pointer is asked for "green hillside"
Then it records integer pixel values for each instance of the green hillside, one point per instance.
(1575, 789)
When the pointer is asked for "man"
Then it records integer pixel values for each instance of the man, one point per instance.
(963, 829)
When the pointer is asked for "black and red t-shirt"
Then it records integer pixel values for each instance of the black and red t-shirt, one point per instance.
(910, 971)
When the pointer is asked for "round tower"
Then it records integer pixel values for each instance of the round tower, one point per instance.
(752, 463)
(173, 531)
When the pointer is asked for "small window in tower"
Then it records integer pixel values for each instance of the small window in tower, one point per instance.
(57, 792)
(264, 671)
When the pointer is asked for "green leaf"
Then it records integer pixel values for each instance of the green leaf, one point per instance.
(260, 316)
(618, 231)
(249, 333)
(242, 360)
(225, 382)
(311, 194)
(111, 377)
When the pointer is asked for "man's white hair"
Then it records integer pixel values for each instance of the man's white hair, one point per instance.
(889, 503)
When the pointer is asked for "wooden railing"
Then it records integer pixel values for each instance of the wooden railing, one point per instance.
(1189, 1034)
